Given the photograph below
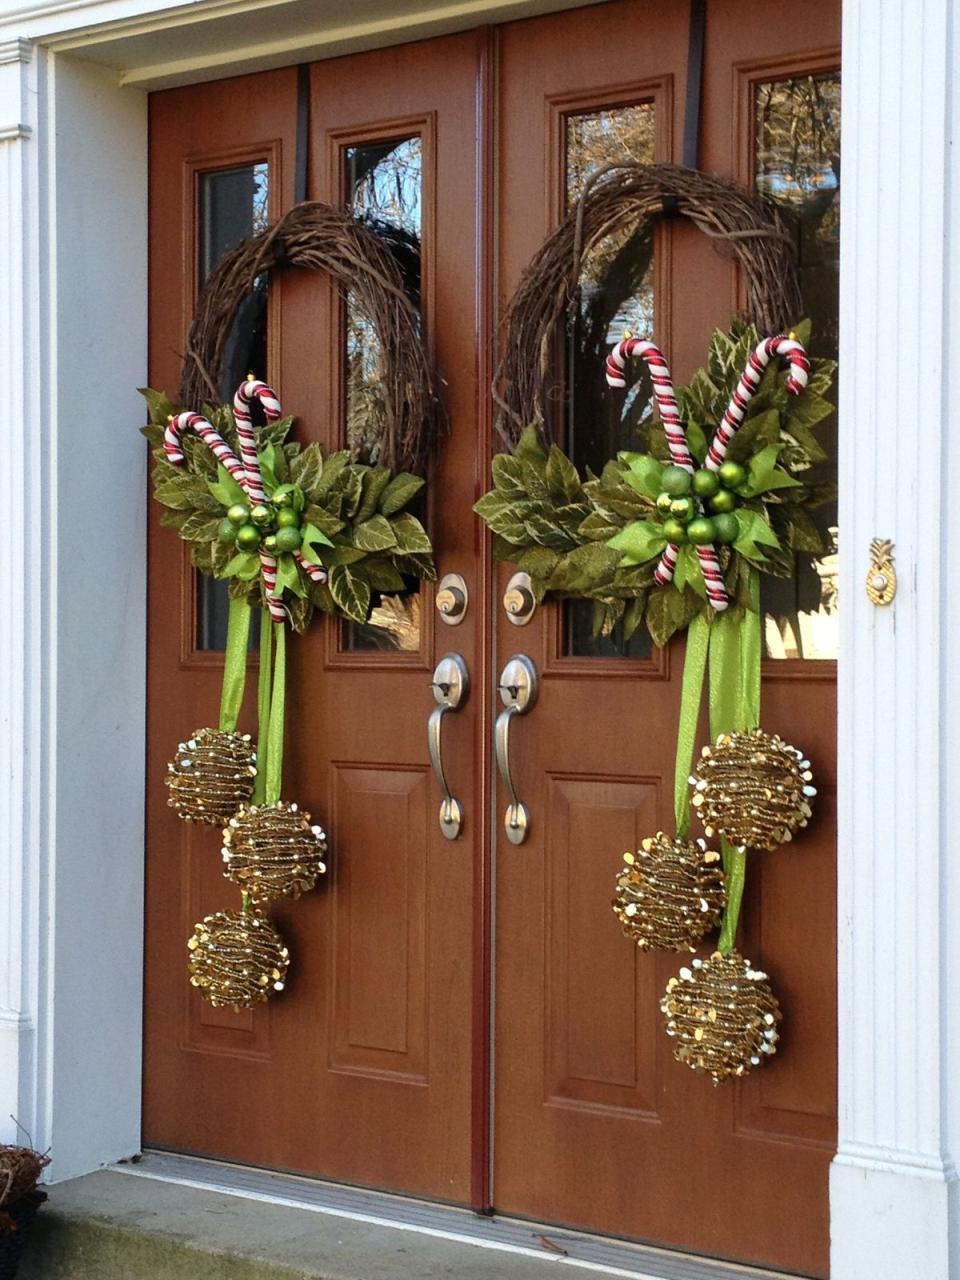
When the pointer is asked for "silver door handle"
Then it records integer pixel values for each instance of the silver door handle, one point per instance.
(519, 684)
(450, 685)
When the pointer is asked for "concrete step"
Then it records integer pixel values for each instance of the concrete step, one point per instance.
(177, 1218)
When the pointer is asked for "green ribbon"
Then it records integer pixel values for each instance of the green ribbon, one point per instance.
(235, 664)
(263, 705)
(274, 767)
(691, 694)
(735, 653)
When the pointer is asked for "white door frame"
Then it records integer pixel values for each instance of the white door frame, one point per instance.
(73, 345)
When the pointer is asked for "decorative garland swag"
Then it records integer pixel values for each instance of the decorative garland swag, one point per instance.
(290, 530)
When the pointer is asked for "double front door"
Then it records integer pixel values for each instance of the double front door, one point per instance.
(464, 1020)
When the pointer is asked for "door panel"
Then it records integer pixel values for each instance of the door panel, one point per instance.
(595, 1123)
(363, 1068)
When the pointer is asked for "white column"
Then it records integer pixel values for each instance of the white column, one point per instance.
(893, 1184)
(24, 760)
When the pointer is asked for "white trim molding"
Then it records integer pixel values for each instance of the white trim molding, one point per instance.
(894, 1184)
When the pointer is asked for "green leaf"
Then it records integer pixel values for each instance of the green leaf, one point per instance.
(643, 473)
(756, 433)
(383, 576)
(322, 519)
(158, 406)
(599, 526)
(763, 475)
(374, 534)
(688, 572)
(529, 448)
(374, 481)
(502, 516)
(633, 615)
(267, 459)
(410, 535)
(313, 536)
(804, 534)
(301, 613)
(669, 611)
(245, 565)
(332, 469)
(288, 575)
(585, 569)
(696, 440)
(175, 494)
(754, 534)
(350, 592)
(225, 489)
(342, 553)
(508, 475)
(539, 562)
(640, 541)
(273, 432)
(307, 467)
(199, 527)
(547, 533)
(400, 492)
(562, 477)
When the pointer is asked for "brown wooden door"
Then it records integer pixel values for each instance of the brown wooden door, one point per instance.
(364, 1069)
(373, 1066)
(595, 1123)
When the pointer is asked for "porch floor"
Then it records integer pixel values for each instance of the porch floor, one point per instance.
(177, 1218)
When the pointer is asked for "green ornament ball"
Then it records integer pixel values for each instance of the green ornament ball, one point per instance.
(270, 543)
(723, 501)
(726, 528)
(248, 537)
(674, 531)
(732, 474)
(682, 509)
(227, 532)
(238, 514)
(664, 502)
(705, 483)
(287, 518)
(282, 500)
(288, 539)
(701, 531)
(676, 481)
(262, 515)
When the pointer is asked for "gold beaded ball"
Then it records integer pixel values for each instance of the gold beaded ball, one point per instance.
(273, 851)
(237, 959)
(211, 776)
(722, 1015)
(670, 893)
(753, 789)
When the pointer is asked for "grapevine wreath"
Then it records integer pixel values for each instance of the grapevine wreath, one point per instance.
(674, 535)
(290, 530)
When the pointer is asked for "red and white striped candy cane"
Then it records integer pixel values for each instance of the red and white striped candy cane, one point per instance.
(680, 456)
(749, 381)
(210, 437)
(314, 571)
(248, 391)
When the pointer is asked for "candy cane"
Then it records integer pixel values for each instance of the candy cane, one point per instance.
(248, 391)
(749, 381)
(314, 571)
(210, 437)
(680, 456)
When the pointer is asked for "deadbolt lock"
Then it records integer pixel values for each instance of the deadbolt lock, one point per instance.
(452, 599)
(519, 602)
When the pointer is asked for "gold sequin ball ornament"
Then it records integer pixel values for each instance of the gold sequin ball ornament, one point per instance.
(670, 893)
(722, 1015)
(273, 851)
(237, 959)
(211, 776)
(753, 789)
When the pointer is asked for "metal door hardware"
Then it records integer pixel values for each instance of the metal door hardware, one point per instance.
(452, 599)
(519, 601)
(450, 685)
(519, 684)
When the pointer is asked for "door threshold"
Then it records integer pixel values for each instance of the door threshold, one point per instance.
(523, 1239)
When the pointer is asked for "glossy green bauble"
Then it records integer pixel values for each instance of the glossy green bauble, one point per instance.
(288, 539)
(676, 481)
(683, 509)
(287, 518)
(248, 537)
(270, 543)
(675, 531)
(701, 531)
(723, 500)
(726, 528)
(705, 483)
(262, 515)
(227, 532)
(284, 499)
(238, 514)
(732, 474)
(664, 501)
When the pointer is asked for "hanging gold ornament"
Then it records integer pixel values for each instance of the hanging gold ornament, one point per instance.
(211, 776)
(753, 789)
(722, 1015)
(237, 959)
(272, 851)
(670, 893)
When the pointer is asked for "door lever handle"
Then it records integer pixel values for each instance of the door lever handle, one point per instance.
(450, 685)
(519, 685)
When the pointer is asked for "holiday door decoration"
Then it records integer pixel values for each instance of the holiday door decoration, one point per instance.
(677, 536)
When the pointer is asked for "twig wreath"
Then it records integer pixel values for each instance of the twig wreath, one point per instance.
(290, 530)
(631, 197)
(676, 535)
